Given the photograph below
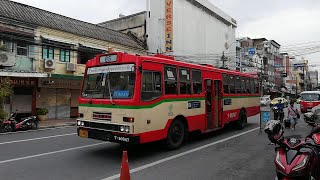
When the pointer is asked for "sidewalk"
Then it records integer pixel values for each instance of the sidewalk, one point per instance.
(52, 123)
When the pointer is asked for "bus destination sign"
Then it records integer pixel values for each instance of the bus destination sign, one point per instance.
(108, 58)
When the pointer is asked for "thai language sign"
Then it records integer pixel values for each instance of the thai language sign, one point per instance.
(111, 68)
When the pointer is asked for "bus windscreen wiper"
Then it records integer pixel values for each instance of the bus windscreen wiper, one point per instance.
(109, 90)
(96, 88)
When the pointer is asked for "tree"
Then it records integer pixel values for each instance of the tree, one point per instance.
(5, 91)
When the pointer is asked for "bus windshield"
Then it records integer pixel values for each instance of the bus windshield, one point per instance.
(96, 84)
(310, 97)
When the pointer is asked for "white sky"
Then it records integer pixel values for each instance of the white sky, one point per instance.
(285, 21)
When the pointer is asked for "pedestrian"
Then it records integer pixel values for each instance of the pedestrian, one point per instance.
(293, 115)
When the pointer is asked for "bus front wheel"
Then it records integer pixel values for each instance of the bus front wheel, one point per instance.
(176, 135)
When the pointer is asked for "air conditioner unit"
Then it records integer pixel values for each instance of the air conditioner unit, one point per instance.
(7, 59)
(49, 64)
(71, 67)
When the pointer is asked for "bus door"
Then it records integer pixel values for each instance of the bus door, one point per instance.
(208, 87)
(217, 104)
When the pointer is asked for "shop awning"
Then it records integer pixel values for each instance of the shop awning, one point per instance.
(22, 74)
(63, 76)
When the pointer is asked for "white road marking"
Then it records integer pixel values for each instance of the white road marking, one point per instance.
(180, 154)
(33, 139)
(49, 153)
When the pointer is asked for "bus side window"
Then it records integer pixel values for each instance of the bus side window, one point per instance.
(243, 85)
(226, 84)
(151, 86)
(252, 86)
(248, 85)
(196, 82)
(185, 83)
(256, 86)
(170, 80)
(232, 85)
(238, 85)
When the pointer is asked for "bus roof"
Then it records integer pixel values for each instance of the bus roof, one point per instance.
(310, 92)
(159, 58)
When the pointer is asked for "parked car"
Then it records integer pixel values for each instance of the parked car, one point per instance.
(265, 101)
(283, 100)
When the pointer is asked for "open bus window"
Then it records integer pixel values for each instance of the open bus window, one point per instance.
(248, 85)
(243, 85)
(232, 85)
(151, 86)
(170, 80)
(196, 82)
(238, 85)
(185, 83)
(310, 97)
(252, 86)
(226, 84)
(256, 86)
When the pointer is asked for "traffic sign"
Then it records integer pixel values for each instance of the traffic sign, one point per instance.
(265, 116)
(251, 51)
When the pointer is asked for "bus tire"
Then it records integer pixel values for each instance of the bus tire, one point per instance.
(176, 134)
(241, 123)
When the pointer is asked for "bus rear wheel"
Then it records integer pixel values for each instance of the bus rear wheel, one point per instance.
(176, 135)
(241, 123)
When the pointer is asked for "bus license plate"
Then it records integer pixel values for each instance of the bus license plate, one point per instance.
(83, 133)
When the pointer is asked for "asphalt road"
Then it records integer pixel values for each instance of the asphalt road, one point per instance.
(61, 154)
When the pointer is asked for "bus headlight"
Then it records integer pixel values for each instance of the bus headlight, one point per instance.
(125, 129)
(80, 123)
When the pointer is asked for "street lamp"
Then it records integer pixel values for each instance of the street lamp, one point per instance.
(223, 58)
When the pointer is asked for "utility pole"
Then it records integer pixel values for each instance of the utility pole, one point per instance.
(223, 59)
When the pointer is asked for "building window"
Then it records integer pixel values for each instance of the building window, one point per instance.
(151, 86)
(196, 82)
(6, 46)
(185, 84)
(47, 52)
(22, 48)
(170, 80)
(64, 55)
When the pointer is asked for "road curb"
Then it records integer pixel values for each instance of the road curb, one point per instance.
(39, 129)
(56, 126)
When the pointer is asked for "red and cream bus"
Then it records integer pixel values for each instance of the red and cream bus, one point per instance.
(309, 99)
(139, 99)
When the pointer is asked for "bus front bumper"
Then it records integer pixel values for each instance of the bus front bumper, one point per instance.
(107, 136)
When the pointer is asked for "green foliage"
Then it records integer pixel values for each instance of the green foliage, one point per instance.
(42, 111)
(3, 115)
(5, 88)
(5, 91)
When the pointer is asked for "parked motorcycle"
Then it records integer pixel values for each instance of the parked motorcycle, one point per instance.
(295, 158)
(15, 124)
(278, 113)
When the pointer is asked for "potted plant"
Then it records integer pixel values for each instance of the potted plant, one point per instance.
(42, 114)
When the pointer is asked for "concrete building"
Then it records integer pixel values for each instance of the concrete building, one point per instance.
(189, 30)
(45, 54)
(300, 71)
(263, 57)
(314, 79)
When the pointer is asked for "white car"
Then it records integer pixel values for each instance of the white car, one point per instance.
(265, 101)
